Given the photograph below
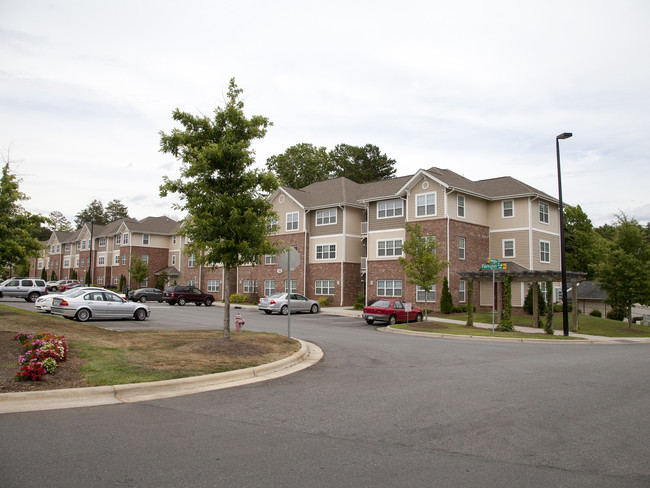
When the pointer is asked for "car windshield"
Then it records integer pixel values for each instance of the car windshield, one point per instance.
(75, 292)
(381, 303)
(277, 295)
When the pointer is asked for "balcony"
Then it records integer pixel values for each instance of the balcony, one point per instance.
(364, 228)
(364, 264)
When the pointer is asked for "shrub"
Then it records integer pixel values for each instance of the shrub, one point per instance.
(528, 301)
(558, 308)
(325, 301)
(446, 302)
(616, 314)
(596, 313)
(361, 301)
(237, 298)
(31, 372)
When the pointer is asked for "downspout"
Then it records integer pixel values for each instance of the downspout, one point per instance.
(448, 242)
(304, 258)
(130, 257)
(343, 253)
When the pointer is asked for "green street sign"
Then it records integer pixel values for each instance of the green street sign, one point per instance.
(494, 261)
(490, 266)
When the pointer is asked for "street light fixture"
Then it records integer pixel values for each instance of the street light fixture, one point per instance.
(565, 301)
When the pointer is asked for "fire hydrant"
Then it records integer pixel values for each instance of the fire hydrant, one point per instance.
(239, 322)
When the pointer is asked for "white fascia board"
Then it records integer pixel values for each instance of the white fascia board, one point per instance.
(416, 177)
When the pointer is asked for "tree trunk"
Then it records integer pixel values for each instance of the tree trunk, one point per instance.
(629, 314)
(226, 310)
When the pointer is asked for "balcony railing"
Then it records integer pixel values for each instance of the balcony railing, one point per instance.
(364, 228)
(364, 264)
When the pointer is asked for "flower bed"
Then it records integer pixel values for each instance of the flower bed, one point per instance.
(42, 354)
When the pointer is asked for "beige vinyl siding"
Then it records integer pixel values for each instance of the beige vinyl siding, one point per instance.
(282, 209)
(382, 236)
(554, 241)
(157, 241)
(353, 219)
(495, 214)
(419, 189)
(521, 246)
(327, 229)
(383, 224)
(553, 216)
(325, 240)
(476, 209)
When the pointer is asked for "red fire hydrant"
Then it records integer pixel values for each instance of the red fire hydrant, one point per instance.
(239, 322)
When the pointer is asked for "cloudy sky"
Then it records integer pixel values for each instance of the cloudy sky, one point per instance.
(479, 87)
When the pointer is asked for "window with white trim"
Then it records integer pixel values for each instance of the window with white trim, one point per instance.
(250, 286)
(462, 286)
(425, 204)
(66, 263)
(191, 282)
(390, 208)
(116, 280)
(544, 251)
(76, 264)
(100, 280)
(543, 212)
(269, 259)
(389, 288)
(326, 251)
(67, 247)
(325, 287)
(118, 239)
(389, 247)
(102, 242)
(145, 259)
(420, 294)
(58, 248)
(461, 248)
(83, 262)
(508, 248)
(213, 285)
(292, 221)
(101, 260)
(191, 261)
(124, 259)
(145, 239)
(173, 239)
(508, 208)
(326, 217)
(125, 238)
(461, 205)
(173, 260)
(269, 287)
(83, 245)
(40, 264)
(294, 286)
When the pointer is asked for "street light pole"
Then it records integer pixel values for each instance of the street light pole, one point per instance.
(565, 301)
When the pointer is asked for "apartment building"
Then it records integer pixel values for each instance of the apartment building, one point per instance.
(349, 237)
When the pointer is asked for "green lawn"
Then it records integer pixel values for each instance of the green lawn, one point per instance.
(457, 329)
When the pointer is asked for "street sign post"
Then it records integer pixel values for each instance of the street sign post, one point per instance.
(288, 260)
(493, 264)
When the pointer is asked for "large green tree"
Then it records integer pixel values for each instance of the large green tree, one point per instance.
(624, 271)
(361, 164)
(228, 213)
(94, 212)
(301, 165)
(115, 210)
(420, 262)
(581, 241)
(19, 229)
(139, 270)
(58, 221)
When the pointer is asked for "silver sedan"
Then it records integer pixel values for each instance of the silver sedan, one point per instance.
(98, 304)
(280, 304)
(44, 303)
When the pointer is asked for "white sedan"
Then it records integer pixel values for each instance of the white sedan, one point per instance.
(86, 304)
(44, 303)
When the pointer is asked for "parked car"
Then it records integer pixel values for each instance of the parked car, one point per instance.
(183, 294)
(69, 286)
(28, 288)
(279, 303)
(390, 312)
(144, 294)
(84, 304)
(56, 285)
(44, 304)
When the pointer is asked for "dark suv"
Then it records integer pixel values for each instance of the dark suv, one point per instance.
(182, 294)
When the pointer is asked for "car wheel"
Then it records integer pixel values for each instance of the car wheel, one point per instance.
(369, 321)
(284, 310)
(143, 299)
(54, 288)
(32, 296)
(83, 315)
(171, 303)
(198, 304)
(418, 318)
(391, 320)
(314, 308)
(208, 302)
(140, 314)
(181, 302)
(160, 301)
(268, 312)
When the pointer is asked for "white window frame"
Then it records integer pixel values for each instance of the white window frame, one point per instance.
(420, 294)
(101, 260)
(213, 286)
(145, 259)
(83, 245)
(460, 206)
(462, 289)
(125, 238)
(325, 252)
(174, 239)
(269, 287)
(422, 207)
(388, 288)
(173, 259)
(543, 212)
(510, 209)
(294, 286)
(191, 261)
(269, 259)
(66, 263)
(117, 259)
(389, 252)
(118, 239)
(250, 286)
(544, 251)
(100, 280)
(58, 248)
(124, 259)
(102, 242)
(191, 282)
(326, 216)
(462, 242)
(116, 280)
(145, 239)
(503, 248)
(389, 209)
(294, 223)
(325, 287)
(77, 262)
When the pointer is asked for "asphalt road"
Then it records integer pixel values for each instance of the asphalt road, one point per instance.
(379, 410)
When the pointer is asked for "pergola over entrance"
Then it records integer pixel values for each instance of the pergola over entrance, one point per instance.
(522, 274)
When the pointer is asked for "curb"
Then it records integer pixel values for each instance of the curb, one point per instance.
(308, 355)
